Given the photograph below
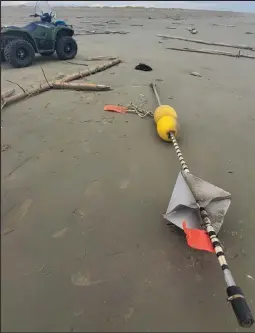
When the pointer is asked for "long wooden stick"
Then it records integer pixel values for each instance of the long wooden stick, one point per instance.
(32, 92)
(93, 32)
(68, 78)
(224, 25)
(7, 93)
(244, 47)
(80, 86)
(217, 52)
(91, 71)
(99, 58)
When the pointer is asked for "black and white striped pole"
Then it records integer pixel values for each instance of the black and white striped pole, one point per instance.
(235, 294)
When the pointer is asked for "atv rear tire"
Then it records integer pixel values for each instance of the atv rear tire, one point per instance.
(66, 48)
(19, 53)
(47, 54)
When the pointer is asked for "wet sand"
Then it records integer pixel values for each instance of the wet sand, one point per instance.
(84, 245)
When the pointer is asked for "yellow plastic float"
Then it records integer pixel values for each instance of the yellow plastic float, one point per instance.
(164, 110)
(165, 125)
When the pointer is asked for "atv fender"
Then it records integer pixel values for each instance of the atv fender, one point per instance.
(61, 31)
(19, 33)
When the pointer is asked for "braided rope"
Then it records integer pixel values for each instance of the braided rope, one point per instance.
(206, 221)
(138, 109)
(179, 153)
(207, 224)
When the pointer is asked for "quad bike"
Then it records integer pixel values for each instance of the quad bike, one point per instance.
(45, 36)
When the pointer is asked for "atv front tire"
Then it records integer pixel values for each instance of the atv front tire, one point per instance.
(66, 48)
(19, 53)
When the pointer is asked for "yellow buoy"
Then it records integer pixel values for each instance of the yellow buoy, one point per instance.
(165, 125)
(164, 110)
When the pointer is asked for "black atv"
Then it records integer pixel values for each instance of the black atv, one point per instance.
(19, 45)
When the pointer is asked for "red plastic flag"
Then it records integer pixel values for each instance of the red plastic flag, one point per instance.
(116, 108)
(198, 239)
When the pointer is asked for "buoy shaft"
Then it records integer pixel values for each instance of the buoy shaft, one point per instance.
(154, 88)
(171, 134)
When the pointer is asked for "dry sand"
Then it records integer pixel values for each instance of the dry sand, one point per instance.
(84, 243)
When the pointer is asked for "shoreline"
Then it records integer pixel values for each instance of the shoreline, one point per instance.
(225, 11)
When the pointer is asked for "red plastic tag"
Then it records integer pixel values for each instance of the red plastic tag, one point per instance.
(198, 239)
(116, 108)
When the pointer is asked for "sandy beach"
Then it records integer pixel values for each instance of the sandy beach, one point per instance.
(85, 247)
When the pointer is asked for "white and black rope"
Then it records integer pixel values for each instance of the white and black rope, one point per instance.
(214, 239)
(207, 222)
(179, 153)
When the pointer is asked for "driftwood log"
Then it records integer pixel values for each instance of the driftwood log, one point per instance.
(217, 52)
(224, 25)
(7, 93)
(91, 71)
(49, 85)
(244, 47)
(107, 32)
(99, 58)
(80, 86)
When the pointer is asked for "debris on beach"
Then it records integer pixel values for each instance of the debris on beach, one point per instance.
(63, 83)
(195, 74)
(106, 32)
(100, 58)
(143, 67)
(224, 25)
(5, 147)
(199, 41)
(115, 108)
(211, 51)
(131, 108)
(5, 95)
(177, 17)
(80, 86)
(76, 63)
(98, 24)
(111, 22)
(193, 31)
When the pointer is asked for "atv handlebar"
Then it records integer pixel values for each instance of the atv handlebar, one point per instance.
(38, 15)
(45, 17)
